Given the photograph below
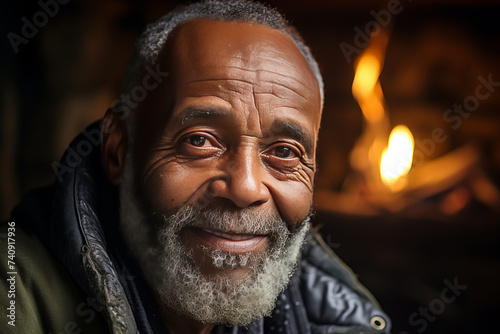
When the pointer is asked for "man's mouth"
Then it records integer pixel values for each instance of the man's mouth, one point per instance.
(231, 236)
(228, 241)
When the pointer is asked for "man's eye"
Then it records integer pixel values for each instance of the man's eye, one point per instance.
(284, 152)
(197, 140)
(199, 145)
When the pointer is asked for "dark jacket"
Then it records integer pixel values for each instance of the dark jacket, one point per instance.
(76, 220)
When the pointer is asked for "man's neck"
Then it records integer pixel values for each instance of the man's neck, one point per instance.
(180, 324)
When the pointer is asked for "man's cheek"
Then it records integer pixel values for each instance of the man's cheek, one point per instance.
(293, 200)
(175, 187)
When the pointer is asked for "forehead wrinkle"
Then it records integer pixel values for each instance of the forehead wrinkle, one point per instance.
(259, 71)
(264, 77)
(263, 53)
(273, 91)
(273, 61)
(260, 84)
(260, 62)
(219, 79)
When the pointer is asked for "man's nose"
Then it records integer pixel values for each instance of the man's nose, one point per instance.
(242, 182)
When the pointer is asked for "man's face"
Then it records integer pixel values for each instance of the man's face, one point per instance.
(231, 136)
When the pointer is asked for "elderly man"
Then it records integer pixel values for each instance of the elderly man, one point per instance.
(192, 213)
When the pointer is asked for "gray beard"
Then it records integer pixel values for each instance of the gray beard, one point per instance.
(155, 243)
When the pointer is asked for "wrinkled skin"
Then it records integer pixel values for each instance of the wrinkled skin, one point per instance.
(235, 124)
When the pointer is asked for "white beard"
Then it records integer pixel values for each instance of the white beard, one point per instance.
(169, 268)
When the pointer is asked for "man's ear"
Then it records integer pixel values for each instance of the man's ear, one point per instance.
(113, 146)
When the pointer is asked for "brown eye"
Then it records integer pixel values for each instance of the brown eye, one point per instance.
(197, 141)
(199, 145)
(283, 152)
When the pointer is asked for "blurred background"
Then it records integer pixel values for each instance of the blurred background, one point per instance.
(409, 228)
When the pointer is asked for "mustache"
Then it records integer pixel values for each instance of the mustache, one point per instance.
(228, 220)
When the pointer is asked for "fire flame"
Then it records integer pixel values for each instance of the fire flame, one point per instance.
(381, 159)
(366, 87)
(397, 158)
(383, 163)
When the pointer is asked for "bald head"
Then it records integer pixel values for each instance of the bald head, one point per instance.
(250, 51)
(152, 42)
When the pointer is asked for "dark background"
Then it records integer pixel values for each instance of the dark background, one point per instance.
(67, 75)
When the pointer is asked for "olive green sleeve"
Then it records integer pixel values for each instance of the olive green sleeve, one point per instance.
(37, 293)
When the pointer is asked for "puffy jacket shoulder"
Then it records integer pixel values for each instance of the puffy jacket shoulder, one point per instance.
(39, 294)
(334, 300)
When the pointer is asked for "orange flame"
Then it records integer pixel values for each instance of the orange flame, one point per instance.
(366, 85)
(384, 164)
(366, 88)
(397, 157)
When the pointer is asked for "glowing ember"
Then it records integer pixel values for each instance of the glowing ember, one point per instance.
(397, 158)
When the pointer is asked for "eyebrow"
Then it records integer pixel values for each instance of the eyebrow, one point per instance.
(293, 130)
(194, 113)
